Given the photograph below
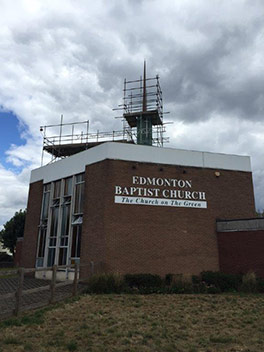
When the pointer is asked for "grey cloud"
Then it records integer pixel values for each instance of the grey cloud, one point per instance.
(72, 60)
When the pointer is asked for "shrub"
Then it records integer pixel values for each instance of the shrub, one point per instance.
(72, 346)
(143, 281)
(106, 283)
(181, 284)
(213, 289)
(260, 285)
(168, 279)
(249, 282)
(223, 282)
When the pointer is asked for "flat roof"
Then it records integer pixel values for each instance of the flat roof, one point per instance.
(138, 153)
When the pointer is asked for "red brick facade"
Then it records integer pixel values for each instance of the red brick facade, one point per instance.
(157, 239)
(28, 257)
(241, 252)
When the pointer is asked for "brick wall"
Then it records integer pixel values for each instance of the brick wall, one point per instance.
(156, 239)
(241, 252)
(28, 257)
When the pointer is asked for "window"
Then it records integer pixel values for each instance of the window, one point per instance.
(56, 190)
(79, 194)
(45, 206)
(63, 256)
(54, 221)
(65, 221)
(43, 225)
(68, 186)
(61, 222)
(76, 241)
(42, 241)
(51, 256)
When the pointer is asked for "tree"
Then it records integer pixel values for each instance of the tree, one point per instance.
(13, 229)
(260, 213)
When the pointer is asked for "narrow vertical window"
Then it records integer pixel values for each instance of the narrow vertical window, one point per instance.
(79, 194)
(77, 218)
(43, 225)
(65, 221)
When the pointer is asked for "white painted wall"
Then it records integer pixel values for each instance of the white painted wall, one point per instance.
(138, 153)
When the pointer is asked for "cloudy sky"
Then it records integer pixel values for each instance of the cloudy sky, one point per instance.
(70, 57)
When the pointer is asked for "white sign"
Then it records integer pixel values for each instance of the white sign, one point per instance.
(161, 202)
(160, 191)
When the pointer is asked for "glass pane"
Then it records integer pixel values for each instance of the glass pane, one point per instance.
(56, 202)
(78, 206)
(68, 186)
(67, 200)
(65, 220)
(52, 242)
(54, 222)
(56, 192)
(76, 241)
(64, 241)
(39, 262)
(45, 209)
(74, 236)
(47, 187)
(77, 220)
(79, 178)
(78, 254)
(51, 256)
(63, 256)
(42, 241)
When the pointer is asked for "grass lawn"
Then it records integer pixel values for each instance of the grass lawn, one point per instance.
(138, 323)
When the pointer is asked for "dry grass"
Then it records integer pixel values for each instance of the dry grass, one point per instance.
(130, 323)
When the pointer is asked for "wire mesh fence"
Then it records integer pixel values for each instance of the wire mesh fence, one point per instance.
(20, 290)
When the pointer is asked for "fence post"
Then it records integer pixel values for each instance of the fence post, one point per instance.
(75, 281)
(53, 283)
(19, 290)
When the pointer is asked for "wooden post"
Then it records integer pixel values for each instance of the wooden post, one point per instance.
(19, 291)
(75, 281)
(53, 283)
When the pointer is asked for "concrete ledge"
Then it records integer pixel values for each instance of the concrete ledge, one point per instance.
(240, 225)
(138, 153)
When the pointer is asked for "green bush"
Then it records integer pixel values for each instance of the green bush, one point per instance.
(260, 285)
(181, 284)
(207, 282)
(249, 283)
(143, 281)
(213, 289)
(168, 279)
(106, 283)
(221, 281)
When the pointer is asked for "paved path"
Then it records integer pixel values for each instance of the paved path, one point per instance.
(33, 300)
(8, 285)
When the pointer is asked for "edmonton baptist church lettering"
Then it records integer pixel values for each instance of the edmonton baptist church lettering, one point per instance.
(168, 192)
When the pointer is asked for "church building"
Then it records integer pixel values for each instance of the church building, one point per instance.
(122, 202)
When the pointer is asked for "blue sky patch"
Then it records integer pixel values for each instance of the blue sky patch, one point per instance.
(10, 131)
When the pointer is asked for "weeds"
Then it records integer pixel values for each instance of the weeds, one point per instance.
(185, 323)
(72, 346)
(11, 341)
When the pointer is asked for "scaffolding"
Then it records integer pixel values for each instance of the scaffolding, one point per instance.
(142, 123)
(143, 111)
(65, 139)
